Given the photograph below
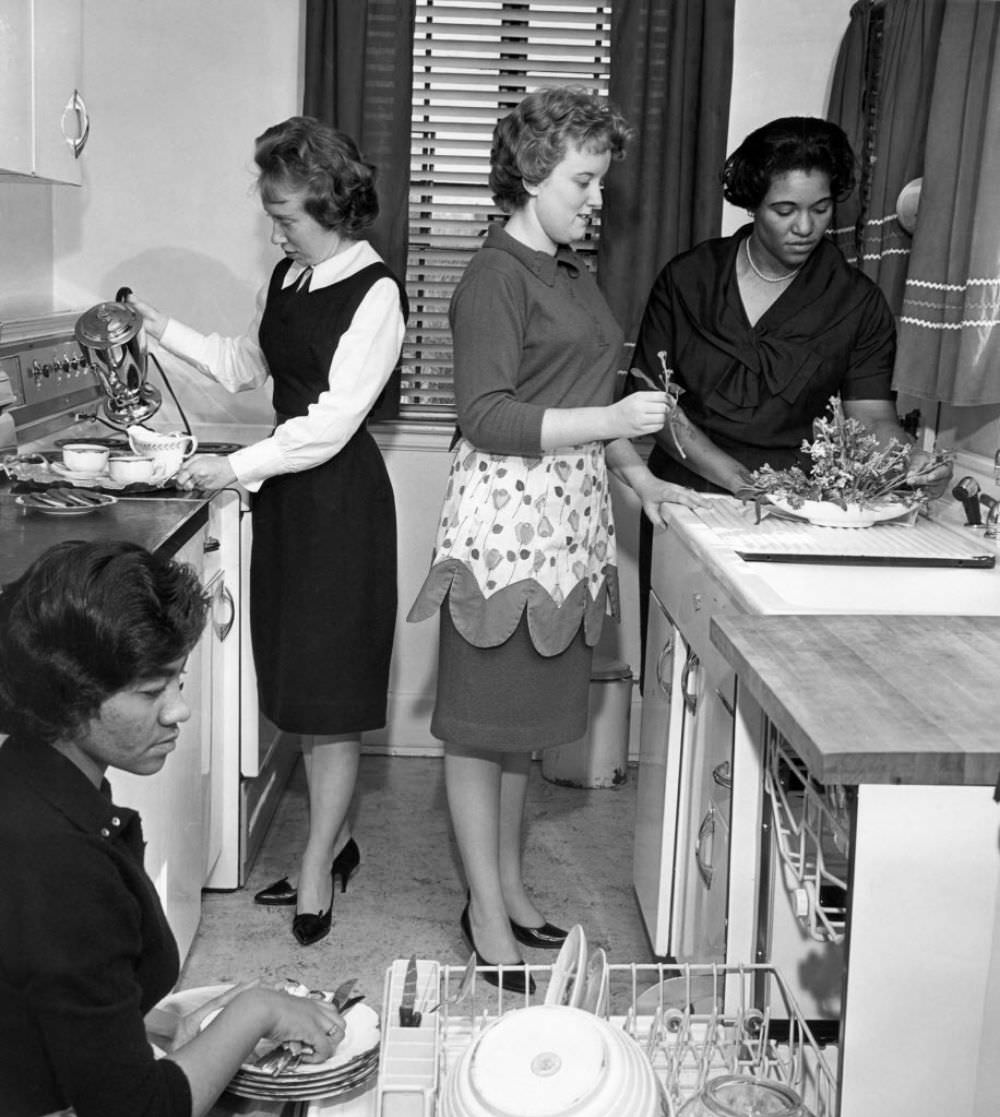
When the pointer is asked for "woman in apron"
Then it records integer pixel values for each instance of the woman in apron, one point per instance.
(524, 565)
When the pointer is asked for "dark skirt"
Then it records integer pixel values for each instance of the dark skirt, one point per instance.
(323, 593)
(510, 698)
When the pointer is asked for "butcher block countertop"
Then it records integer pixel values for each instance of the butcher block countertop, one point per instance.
(151, 522)
(881, 699)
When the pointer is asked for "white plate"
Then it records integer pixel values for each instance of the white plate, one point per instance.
(105, 480)
(568, 982)
(825, 513)
(75, 475)
(29, 500)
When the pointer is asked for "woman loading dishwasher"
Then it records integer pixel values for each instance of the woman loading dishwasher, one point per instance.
(328, 332)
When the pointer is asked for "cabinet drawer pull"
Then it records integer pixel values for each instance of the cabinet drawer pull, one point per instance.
(690, 698)
(662, 674)
(704, 846)
(224, 627)
(78, 107)
(722, 775)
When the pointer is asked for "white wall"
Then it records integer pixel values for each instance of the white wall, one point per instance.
(783, 58)
(177, 91)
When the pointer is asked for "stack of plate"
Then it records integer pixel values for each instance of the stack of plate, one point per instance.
(353, 1063)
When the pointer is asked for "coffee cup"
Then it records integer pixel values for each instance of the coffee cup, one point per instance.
(86, 458)
(168, 449)
(130, 468)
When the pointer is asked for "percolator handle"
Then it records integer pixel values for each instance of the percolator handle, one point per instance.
(122, 294)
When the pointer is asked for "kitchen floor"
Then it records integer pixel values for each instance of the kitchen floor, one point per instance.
(408, 894)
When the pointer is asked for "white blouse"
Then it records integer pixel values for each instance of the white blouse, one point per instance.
(361, 366)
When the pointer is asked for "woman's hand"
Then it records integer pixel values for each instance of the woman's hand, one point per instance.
(929, 473)
(660, 493)
(205, 471)
(639, 413)
(277, 1016)
(153, 321)
(305, 1020)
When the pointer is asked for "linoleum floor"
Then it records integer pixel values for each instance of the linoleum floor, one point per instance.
(408, 894)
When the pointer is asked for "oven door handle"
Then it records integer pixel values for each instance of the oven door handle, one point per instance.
(223, 625)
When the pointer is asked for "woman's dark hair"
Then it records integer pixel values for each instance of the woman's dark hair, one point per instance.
(304, 155)
(85, 621)
(793, 143)
(532, 139)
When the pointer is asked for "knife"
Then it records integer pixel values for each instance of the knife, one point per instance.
(408, 1018)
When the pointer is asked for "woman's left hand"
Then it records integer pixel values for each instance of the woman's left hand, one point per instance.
(205, 471)
(929, 473)
(655, 496)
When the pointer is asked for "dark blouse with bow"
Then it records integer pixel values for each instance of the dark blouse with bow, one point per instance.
(755, 390)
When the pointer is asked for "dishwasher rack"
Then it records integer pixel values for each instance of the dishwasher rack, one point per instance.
(812, 836)
(693, 1022)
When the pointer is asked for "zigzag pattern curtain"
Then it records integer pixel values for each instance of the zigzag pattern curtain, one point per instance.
(881, 97)
(358, 77)
(949, 329)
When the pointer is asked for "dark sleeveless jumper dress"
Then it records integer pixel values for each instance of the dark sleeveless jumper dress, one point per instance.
(323, 561)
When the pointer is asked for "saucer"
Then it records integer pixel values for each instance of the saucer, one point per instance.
(75, 475)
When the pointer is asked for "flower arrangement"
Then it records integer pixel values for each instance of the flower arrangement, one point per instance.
(848, 468)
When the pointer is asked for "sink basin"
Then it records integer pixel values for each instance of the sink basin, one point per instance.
(808, 588)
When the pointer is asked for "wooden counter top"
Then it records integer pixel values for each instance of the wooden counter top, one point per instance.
(876, 699)
(149, 521)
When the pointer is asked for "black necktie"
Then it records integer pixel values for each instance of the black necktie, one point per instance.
(302, 283)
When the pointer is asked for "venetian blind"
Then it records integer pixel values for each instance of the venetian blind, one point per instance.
(473, 60)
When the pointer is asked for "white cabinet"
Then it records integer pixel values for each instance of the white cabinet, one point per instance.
(172, 802)
(44, 123)
(685, 749)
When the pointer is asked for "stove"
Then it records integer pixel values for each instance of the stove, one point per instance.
(120, 443)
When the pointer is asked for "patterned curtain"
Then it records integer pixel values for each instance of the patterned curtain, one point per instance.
(359, 77)
(671, 75)
(949, 330)
(881, 96)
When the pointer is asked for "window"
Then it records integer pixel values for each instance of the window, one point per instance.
(473, 60)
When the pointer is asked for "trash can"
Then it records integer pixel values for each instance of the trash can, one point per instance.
(600, 757)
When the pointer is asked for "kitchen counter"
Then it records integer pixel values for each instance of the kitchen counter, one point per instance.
(876, 699)
(149, 521)
(903, 710)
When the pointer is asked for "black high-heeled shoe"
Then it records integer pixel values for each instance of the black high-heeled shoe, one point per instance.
(309, 927)
(546, 937)
(514, 979)
(281, 893)
(346, 862)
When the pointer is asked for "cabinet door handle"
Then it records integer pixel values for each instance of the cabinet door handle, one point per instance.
(662, 675)
(722, 775)
(704, 846)
(78, 107)
(224, 627)
(690, 698)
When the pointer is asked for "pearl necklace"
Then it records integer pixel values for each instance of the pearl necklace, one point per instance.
(768, 278)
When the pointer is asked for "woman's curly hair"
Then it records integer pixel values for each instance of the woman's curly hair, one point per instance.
(791, 143)
(531, 140)
(303, 155)
(85, 621)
